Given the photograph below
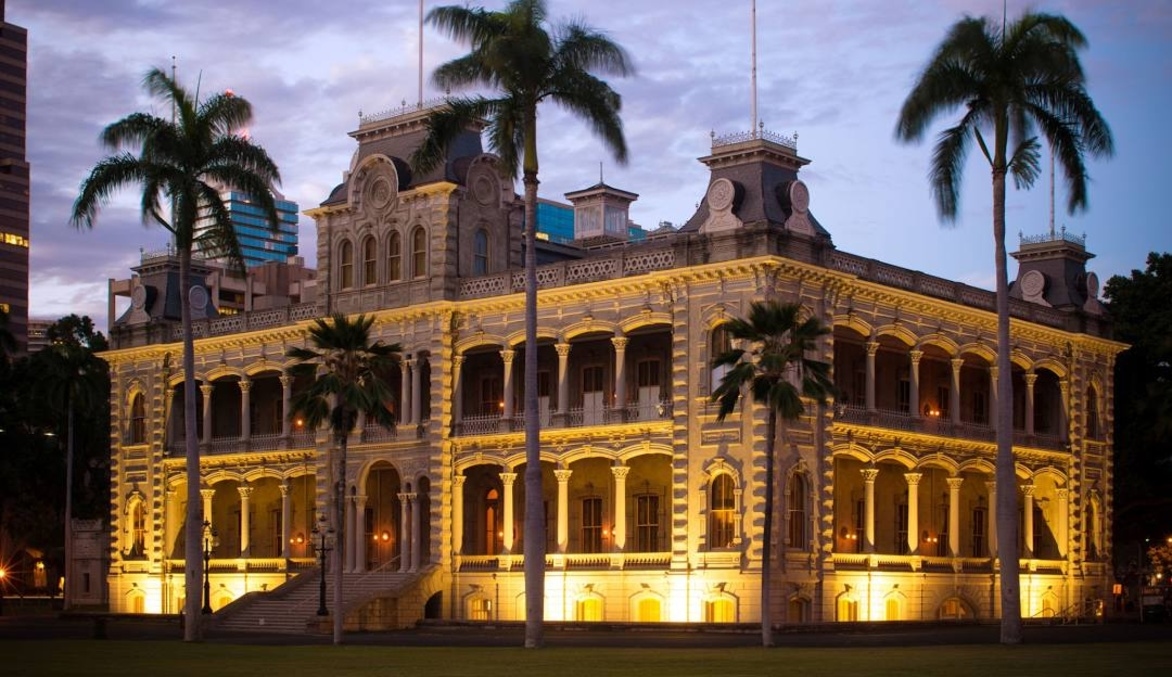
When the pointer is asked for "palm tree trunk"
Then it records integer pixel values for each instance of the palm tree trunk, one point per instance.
(192, 572)
(534, 505)
(767, 535)
(340, 535)
(1006, 483)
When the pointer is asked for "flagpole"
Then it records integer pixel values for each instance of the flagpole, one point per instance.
(420, 53)
(753, 130)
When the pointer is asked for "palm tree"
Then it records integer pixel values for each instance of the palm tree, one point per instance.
(770, 362)
(1010, 80)
(516, 54)
(180, 162)
(347, 370)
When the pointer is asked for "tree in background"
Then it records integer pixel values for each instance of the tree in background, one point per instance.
(525, 61)
(181, 166)
(770, 361)
(34, 426)
(1011, 81)
(1143, 407)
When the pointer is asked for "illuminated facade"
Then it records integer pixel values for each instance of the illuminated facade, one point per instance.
(653, 507)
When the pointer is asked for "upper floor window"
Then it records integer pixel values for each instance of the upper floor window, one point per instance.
(647, 522)
(1092, 414)
(721, 512)
(480, 253)
(346, 265)
(719, 343)
(395, 258)
(419, 253)
(592, 524)
(369, 261)
(796, 510)
(137, 419)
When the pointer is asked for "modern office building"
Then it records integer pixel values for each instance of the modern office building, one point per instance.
(654, 507)
(14, 178)
(259, 242)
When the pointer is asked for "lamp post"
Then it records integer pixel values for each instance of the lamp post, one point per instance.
(210, 541)
(324, 536)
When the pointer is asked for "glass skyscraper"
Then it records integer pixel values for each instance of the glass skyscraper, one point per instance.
(258, 242)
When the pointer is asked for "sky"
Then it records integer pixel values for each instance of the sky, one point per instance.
(832, 72)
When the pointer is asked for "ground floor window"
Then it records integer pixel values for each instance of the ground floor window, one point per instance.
(720, 611)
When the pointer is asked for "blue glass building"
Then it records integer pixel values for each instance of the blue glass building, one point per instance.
(258, 242)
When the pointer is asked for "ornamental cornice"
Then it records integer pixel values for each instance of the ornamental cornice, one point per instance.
(273, 459)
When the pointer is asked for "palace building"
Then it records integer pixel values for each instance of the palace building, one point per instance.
(654, 508)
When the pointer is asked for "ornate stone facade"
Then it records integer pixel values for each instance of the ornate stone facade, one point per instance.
(654, 508)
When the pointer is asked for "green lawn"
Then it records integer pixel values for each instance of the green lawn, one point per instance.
(151, 658)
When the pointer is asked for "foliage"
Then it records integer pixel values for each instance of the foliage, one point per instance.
(1143, 401)
(33, 434)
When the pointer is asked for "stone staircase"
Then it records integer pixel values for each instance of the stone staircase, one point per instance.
(292, 607)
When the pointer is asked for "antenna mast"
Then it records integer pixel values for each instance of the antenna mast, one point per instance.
(1051, 192)
(420, 54)
(753, 130)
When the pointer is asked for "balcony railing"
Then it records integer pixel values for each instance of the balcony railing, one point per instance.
(934, 425)
(599, 560)
(574, 417)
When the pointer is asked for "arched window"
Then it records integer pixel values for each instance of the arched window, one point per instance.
(796, 512)
(719, 343)
(418, 253)
(480, 253)
(720, 610)
(346, 265)
(369, 261)
(1092, 414)
(847, 609)
(137, 530)
(137, 419)
(395, 258)
(722, 512)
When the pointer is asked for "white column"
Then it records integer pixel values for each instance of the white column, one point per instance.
(458, 514)
(563, 478)
(509, 537)
(206, 389)
(1063, 419)
(954, 485)
(1063, 535)
(954, 391)
(993, 397)
(405, 391)
(991, 518)
(872, 350)
(404, 532)
(620, 375)
(417, 392)
(286, 396)
(1028, 495)
(1030, 379)
(359, 535)
(915, 356)
(207, 495)
(416, 524)
(245, 409)
(563, 380)
(168, 527)
(913, 513)
(458, 388)
(869, 475)
(507, 411)
(245, 519)
(620, 473)
(286, 517)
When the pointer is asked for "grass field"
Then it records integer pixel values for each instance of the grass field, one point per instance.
(158, 658)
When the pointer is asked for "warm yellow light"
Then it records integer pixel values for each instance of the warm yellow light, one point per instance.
(3, 573)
